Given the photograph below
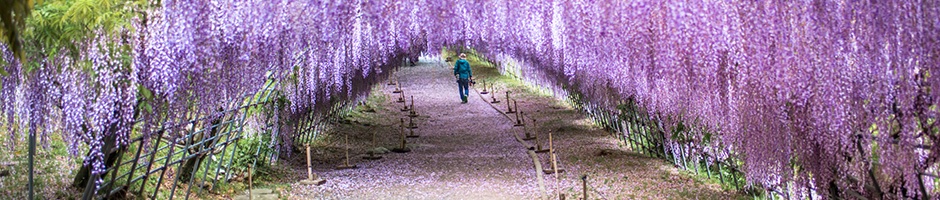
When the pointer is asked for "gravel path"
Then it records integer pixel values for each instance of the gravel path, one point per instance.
(471, 151)
(465, 151)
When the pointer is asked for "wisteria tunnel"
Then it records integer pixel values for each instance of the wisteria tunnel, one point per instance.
(469, 99)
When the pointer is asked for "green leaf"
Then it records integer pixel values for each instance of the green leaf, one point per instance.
(144, 105)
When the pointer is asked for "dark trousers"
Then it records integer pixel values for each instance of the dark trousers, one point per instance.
(464, 86)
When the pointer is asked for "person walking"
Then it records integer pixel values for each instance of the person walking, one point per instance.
(463, 74)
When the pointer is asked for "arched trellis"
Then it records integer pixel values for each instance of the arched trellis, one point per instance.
(857, 63)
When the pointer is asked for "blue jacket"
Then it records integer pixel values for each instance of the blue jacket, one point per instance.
(462, 68)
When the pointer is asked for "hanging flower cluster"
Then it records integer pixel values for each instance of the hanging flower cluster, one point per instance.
(807, 85)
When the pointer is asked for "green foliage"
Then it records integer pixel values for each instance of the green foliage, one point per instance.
(249, 149)
(55, 27)
(64, 24)
(12, 18)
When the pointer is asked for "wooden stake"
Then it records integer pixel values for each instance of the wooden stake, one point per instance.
(346, 164)
(494, 98)
(312, 179)
(401, 130)
(397, 89)
(518, 120)
(538, 144)
(584, 186)
(524, 129)
(413, 113)
(411, 123)
(406, 106)
(371, 155)
(508, 105)
(347, 150)
(411, 134)
(309, 167)
(551, 150)
(249, 182)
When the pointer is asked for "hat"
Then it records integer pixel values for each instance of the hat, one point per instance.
(462, 55)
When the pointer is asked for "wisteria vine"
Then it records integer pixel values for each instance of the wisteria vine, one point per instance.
(788, 85)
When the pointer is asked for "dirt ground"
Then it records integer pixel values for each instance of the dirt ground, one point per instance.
(471, 151)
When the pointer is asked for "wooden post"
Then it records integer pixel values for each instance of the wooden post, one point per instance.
(397, 89)
(519, 121)
(584, 186)
(538, 144)
(371, 155)
(411, 123)
(32, 161)
(346, 164)
(405, 108)
(494, 98)
(411, 133)
(249, 182)
(524, 129)
(508, 105)
(401, 130)
(554, 159)
(413, 113)
(484, 88)
(311, 178)
(309, 167)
